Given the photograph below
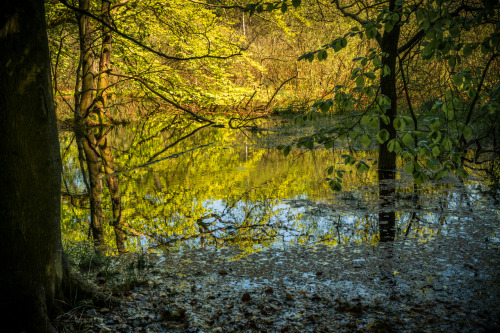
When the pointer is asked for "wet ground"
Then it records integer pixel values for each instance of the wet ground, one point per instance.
(446, 282)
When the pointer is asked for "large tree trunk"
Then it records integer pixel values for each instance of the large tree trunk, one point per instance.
(35, 277)
(30, 172)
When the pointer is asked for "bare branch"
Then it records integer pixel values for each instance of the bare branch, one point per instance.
(156, 161)
(157, 93)
(479, 87)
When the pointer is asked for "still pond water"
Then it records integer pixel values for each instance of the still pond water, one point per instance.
(188, 186)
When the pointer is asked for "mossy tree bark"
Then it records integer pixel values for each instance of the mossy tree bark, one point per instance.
(35, 276)
(30, 172)
(87, 141)
(104, 147)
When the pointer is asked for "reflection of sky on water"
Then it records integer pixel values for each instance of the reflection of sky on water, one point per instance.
(302, 221)
(323, 217)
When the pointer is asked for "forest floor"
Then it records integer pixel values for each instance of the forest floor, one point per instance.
(448, 284)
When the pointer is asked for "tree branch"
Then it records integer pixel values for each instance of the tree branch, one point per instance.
(217, 6)
(421, 33)
(157, 93)
(479, 87)
(356, 18)
(148, 48)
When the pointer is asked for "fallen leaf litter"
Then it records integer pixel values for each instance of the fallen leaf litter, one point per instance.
(450, 283)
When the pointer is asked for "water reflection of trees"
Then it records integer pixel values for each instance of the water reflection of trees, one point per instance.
(174, 193)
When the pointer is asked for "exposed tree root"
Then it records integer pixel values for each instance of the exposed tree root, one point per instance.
(77, 289)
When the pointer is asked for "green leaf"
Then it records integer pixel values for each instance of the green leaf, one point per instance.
(399, 124)
(447, 144)
(460, 172)
(365, 140)
(354, 134)
(287, 150)
(441, 173)
(330, 170)
(485, 48)
(436, 136)
(467, 51)
(431, 163)
(362, 167)
(467, 132)
(370, 75)
(377, 61)
(409, 168)
(360, 81)
(385, 119)
(383, 136)
(390, 145)
(389, 25)
(284, 7)
(323, 55)
(452, 61)
(436, 151)
(435, 125)
(371, 32)
(369, 92)
(320, 55)
(335, 185)
(374, 123)
(296, 3)
(448, 110)
(387, 70)
(397, 147)
(458, 79)
(419, 177)
(365, 120)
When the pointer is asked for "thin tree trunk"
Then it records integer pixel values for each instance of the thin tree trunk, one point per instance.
(104, 61)
(105, 150)
(84, 105)
(89, 143)
(387, 159)
(116, 201)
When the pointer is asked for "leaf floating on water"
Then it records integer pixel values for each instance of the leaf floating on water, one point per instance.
(245, 297)
(223, 272)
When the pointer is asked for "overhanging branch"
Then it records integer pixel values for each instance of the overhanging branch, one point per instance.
(142, 45)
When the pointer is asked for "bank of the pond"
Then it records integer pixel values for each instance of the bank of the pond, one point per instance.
(449, 284)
